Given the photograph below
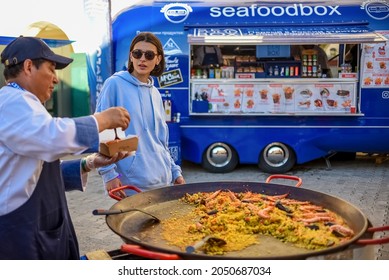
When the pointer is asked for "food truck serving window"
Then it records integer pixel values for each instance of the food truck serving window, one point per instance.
(275, 70)
(345, 33)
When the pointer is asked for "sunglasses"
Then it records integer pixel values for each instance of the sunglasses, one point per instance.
(149, 55)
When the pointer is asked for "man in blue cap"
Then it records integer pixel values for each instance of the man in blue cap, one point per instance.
(34, 216)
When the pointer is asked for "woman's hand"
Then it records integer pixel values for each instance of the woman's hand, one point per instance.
(179, 181)
(114, 184)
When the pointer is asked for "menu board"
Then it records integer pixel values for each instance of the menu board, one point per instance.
(375, 65)
(320, 97)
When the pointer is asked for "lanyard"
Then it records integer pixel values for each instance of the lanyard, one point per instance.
(15, 85)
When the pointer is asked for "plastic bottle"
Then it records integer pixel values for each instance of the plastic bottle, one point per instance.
(205, 74)
(271, 71)
(314, 70)
(193, 73)
(177, 117)
(276, 70)
(167, 104)
(296, 70)
(198, 73)
(309, 71)
(218, 73)
(282, 72)
(211, 71)
(231, 73)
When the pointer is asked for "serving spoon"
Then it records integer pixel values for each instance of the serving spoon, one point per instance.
(207, 239)
(121, 211)
(116, 135)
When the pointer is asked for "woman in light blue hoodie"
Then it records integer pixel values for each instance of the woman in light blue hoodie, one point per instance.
(152, 165)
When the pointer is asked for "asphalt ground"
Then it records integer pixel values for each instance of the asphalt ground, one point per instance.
(363, 182)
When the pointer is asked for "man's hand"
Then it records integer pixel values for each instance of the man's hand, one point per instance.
(112, 118)
(98, 160)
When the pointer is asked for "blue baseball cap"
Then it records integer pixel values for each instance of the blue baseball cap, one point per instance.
(23, 48)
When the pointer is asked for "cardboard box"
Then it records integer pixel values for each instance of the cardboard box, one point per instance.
(109, 148)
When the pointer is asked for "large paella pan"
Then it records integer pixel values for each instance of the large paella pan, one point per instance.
(145, 237)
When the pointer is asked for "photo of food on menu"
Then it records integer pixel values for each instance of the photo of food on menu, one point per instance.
(275, 97)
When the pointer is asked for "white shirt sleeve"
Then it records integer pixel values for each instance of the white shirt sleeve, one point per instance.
(44, 137)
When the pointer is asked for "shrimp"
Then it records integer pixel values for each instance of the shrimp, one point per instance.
(232, 196)
(252, 207)
(311, 208)
(315, 214)
(264, 213)
(247, 195)
(213, 195)
(199, 226)
(234, 200)
(276, 197)
(253, 199)
(342, 230)
(316, 219)
(294, 202)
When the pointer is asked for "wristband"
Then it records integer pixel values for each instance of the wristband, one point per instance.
(83, 165)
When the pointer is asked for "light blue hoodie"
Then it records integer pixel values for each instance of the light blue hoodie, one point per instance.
(152, 165)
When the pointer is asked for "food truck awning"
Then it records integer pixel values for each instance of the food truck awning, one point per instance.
(53, 43)
(288, 35)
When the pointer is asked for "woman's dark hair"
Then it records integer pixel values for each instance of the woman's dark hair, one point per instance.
(152, 39)
(14, 70)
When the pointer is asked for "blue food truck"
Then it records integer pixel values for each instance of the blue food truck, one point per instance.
(263, 102)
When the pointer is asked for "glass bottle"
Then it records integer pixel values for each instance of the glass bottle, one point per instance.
(319, 71)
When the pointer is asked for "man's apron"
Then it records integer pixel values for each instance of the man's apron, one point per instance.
(41, 228)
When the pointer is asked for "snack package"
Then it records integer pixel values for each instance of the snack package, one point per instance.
(109, 147)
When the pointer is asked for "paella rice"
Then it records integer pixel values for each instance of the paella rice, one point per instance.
(241, 218)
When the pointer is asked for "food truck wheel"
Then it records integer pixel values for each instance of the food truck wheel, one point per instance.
(277, 158)
(220, 158)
